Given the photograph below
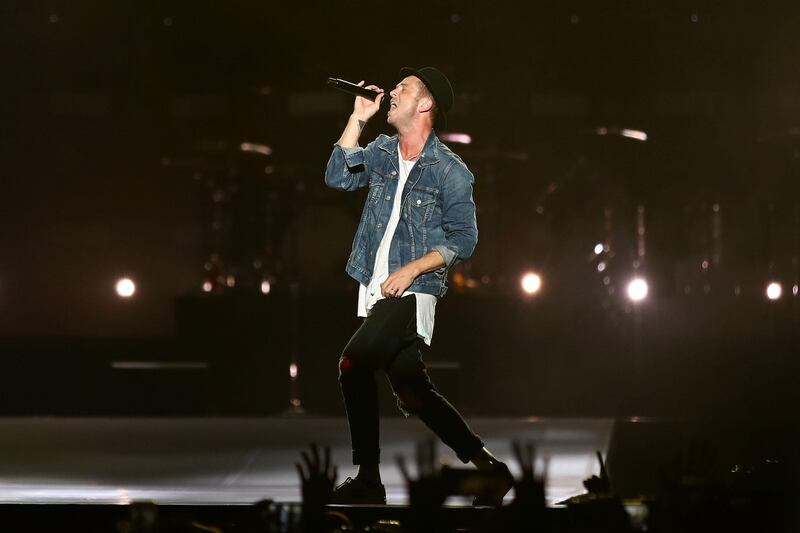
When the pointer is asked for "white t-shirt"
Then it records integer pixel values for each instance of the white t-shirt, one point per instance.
(367, 296)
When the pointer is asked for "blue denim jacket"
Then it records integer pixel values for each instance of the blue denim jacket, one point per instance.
(437, 211)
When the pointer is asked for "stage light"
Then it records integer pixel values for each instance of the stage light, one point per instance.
(638, 135)
(637, 290)
(531, 283)
(257, 148)
(601, 266)
(598, 248)
(634, 134)
(207, 286)
(460, 138)
(794, 290)
(125, 287)
(265, 287)
(774, 290)
(293, 370)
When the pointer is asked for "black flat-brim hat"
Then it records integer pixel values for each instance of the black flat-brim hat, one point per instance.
(439, 86)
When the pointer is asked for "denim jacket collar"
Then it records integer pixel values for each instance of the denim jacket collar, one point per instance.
(430, 152)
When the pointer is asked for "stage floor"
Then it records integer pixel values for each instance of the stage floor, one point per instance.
(194, 461)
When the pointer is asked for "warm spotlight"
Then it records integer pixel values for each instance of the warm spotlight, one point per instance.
(634, 134)
(531, 283)
(460, 138)
(774, 290)
(638, 135)
(125, 287)
(637, 289)
(265, 287)
(598, 248)
(257, 148)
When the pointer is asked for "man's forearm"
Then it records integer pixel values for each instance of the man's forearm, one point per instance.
(402, 278)
(428, 262)
(352, 131)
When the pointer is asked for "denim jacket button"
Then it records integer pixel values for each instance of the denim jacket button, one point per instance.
(388, 197)
(419, 202)
(379, 224)
(394, 173)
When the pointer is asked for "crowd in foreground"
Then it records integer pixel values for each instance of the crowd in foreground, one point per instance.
(696, 494)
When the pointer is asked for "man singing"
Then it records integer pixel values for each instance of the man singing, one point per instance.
(417, 222)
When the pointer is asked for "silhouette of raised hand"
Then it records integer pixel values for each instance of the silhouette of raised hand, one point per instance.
(529, 490)
(427, 492)
(428, 489)
(317, 477)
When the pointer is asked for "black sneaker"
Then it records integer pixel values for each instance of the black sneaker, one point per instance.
(503, 484)
(356, 491)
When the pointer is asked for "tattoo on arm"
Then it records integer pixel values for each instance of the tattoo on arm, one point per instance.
(361, 125)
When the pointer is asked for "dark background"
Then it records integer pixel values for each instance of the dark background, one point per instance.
(122, 127)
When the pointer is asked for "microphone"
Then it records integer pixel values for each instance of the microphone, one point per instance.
(352, 88)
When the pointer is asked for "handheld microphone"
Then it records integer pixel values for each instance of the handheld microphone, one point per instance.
(352, 88)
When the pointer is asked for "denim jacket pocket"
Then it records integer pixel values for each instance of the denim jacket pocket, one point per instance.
(420, 205)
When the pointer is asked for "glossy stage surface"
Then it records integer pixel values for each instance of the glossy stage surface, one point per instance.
(195, 461)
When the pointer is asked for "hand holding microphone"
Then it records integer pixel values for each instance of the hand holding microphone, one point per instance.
(369, 99)
(365, 108)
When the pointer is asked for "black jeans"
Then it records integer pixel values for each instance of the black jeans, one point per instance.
(387, 340)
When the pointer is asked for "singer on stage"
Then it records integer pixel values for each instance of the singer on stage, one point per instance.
(418, 221)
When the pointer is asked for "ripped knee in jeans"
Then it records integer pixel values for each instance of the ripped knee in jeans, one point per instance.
(345, 364)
